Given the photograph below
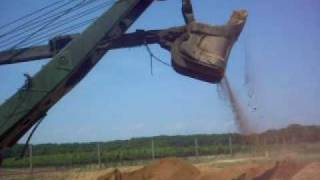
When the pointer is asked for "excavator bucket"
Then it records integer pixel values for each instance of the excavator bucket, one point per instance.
(202, 52)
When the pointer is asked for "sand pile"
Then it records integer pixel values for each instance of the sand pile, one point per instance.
(310, 172)
(166, 169)
(243, 171)
(284, 170)
(287, 169)
(176, 169)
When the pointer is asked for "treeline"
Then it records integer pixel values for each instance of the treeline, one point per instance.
(73, 154)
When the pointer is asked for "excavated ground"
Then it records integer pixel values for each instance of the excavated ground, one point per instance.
(287, 166)
(177, 169)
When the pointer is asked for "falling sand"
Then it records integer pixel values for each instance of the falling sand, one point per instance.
(240, 116)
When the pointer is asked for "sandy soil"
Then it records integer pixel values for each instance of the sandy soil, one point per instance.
(177, 169)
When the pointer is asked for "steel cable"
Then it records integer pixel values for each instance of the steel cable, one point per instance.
(31, 14)
(43, 27)
(36, 20)
(16, 38)
(59, 24)
(61, 32)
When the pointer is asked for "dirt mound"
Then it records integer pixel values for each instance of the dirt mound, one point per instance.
(246, 171)
(176, 169)
(166, 169)
(283, 170)
(310, 172)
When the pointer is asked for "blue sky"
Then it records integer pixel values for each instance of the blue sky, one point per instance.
(278, 52)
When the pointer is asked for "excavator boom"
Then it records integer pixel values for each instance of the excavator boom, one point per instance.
(198, 50)
(31, 103)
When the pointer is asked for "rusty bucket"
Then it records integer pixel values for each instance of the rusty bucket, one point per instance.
(202, 52)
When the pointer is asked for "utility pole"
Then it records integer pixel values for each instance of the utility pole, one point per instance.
(230, 145)
(30, 158)
(99, 155)
(152, 149)
(196, 147)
